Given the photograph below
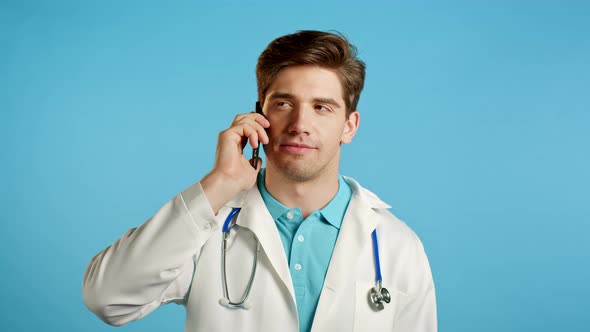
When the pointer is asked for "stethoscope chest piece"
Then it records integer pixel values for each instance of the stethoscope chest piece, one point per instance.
(378, 295)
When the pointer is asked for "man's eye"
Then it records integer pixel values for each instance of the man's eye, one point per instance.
(322, 108)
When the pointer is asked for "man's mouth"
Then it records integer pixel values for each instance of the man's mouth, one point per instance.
(298, 148)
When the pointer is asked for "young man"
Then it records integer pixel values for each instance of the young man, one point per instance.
(302, 251)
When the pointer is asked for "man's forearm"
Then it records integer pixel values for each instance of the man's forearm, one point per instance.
(132, 277)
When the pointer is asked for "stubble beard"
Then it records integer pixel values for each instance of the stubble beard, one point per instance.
(297, 168)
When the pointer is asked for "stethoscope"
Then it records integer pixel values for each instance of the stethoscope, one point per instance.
(377, 294)
(226, 301)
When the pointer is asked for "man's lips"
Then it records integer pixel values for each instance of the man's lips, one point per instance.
(296, 147)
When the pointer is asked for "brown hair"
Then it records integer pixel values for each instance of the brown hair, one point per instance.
(327, 50)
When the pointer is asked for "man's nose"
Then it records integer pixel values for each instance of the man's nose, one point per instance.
(299, 120)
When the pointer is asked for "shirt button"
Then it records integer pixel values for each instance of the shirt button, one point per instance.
(300, 238)
(289, 215)
(297, 267)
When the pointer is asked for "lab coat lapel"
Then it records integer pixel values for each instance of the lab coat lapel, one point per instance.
(359, 221)
(256, 217)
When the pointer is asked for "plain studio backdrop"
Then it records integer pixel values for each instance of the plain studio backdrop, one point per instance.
(475, 127)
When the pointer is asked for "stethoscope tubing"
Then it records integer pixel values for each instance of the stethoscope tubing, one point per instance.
(376, 255)
(228, 220)
(378, 294)
(227, 226)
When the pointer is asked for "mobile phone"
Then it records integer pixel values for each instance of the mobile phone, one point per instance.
(254, 160)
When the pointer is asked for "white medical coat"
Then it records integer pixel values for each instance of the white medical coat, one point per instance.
(176, 257)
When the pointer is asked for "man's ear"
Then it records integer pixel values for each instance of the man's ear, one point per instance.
(350, 127)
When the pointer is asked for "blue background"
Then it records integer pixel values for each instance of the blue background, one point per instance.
(475, 127)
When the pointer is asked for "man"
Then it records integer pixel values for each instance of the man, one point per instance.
(308, 228)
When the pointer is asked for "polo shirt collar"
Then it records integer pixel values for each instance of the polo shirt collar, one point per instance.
(335, 210)
(333, 213)
(273, 206)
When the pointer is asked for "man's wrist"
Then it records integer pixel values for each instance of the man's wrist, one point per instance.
(219, 189)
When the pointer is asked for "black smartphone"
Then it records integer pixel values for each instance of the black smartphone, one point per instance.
(254, 161)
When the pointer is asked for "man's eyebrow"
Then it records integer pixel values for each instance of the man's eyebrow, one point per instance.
(281, 95)
(284, 95)
(330, 101)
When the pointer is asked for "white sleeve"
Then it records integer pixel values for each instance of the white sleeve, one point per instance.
(419, 313)
(151, 264)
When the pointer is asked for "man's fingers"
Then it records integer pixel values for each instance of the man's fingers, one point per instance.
(256, 124)
(259, 118)
(245, 127)
(262, 120)
(252, 134)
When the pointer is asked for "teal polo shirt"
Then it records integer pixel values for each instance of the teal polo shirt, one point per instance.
(308, 244)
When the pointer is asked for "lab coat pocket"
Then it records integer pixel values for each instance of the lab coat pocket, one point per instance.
(366, 318)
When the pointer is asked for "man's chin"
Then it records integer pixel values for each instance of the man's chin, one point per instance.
(295, 170)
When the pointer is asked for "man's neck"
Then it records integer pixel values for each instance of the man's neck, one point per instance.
(308, 196)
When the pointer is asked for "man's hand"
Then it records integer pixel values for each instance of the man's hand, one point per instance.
(232, 172)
